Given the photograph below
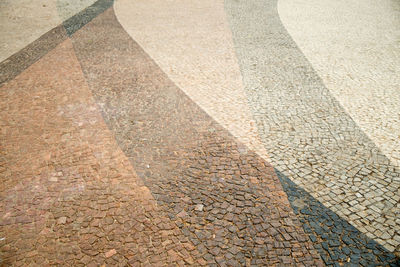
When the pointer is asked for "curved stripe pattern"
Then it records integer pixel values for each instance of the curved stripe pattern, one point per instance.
(18, 62)
(23, 21)
(69, 195)
(200, 196)
(354, 46)
(224, 198)
(308, 135)
(192, 44)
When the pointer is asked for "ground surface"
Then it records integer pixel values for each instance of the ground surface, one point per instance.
(218, 133)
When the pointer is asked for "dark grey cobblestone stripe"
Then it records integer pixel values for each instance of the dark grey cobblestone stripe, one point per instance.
(307, 133)
(85, 16)
(336, 240)
(225, 199)
(21, 60)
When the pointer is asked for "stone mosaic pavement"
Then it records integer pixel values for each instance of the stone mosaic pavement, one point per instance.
(203, 133)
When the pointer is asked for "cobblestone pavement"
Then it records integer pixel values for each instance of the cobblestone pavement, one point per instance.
(69, 194)
(218, 196)
(217, 86)
(308, 135)
(23, 21)
(323, 45)
(133, 135)
(335, 239)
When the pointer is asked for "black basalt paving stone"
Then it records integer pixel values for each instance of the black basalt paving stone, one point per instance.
(346, 250)
(336, 240)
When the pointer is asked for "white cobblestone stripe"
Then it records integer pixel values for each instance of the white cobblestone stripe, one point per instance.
(354, 47)
(68, 8)
(307, 133)
(192, 43)
(24, 21)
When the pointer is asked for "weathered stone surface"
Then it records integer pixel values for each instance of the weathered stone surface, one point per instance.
(97, 206)
(309, 137)
(183, 154)
(106, 162)
(337, 240)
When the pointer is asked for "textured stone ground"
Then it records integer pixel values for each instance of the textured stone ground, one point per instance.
(307, 133)
(23, 21)
(358, 66)
(145, 133)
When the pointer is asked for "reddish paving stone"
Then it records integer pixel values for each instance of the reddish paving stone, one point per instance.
(110, 253)
(69, 196)
(186, 159)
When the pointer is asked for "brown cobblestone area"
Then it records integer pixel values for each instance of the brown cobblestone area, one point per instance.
(69, 196)
(224, 198)
(110, 156)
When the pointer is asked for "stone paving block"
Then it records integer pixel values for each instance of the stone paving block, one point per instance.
(105, 161)
(69, 196)
(309, 136)
(182, 154)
